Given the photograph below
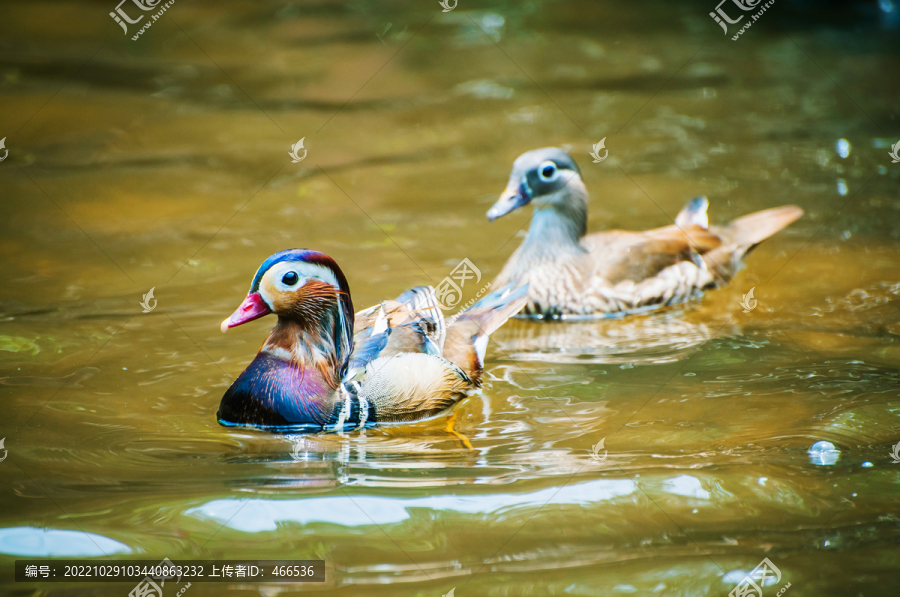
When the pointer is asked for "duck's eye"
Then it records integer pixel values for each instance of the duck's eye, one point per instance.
(290, 279)
(547, 171)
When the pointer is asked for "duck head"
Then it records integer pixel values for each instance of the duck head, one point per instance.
(548, 177)
(302, 362)
(299, 286)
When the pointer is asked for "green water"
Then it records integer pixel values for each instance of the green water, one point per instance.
(163, 163)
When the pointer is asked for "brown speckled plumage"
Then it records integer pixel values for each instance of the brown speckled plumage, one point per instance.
(571, 273)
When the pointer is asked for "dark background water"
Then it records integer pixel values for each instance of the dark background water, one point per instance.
(163, 163)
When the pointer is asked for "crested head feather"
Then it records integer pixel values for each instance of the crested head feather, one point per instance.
(304, 256)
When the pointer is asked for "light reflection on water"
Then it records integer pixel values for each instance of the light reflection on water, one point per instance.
(46, 543)
(266, 515)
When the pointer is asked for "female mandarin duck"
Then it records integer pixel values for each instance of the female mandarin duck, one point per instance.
(403, 364)
(572, 274)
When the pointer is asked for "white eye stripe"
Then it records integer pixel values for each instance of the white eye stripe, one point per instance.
(272, 280)
(303, 270)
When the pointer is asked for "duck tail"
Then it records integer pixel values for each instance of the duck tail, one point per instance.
(467, 336)
(750, 230)
(492, 310)
(743, 234)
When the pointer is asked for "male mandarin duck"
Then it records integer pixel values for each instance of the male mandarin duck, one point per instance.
(573, 275)
(404, 362)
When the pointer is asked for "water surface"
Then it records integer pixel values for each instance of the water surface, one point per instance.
(163, 163)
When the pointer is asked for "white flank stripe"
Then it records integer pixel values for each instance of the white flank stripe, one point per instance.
(363, 411)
